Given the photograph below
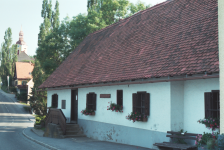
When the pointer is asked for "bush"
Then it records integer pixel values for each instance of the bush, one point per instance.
(22, 96)
(13, 89)
(40, 119)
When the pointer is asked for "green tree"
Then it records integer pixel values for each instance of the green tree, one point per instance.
(8, 57)
(139, 6)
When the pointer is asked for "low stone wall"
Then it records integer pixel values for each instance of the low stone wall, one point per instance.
(52, 131)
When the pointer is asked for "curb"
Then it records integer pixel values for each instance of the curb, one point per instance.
(38, 142)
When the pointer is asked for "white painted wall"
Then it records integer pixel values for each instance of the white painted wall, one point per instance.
(221, 60)
(159, 119)
(177, 105)
(62, 95)
(194, 103)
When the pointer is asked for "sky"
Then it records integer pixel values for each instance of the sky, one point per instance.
(27, 13)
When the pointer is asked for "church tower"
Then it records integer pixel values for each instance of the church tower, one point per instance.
(21, 45)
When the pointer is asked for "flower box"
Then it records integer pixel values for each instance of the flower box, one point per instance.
(144, 119)
(93, 114)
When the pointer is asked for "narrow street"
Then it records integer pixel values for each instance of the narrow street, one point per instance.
(13, 120)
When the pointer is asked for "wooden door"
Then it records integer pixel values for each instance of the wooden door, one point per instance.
(74, 106)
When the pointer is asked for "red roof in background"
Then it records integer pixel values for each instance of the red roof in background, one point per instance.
(24, 70)
(172, 38)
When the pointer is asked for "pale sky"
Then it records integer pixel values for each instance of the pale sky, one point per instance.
(14, 13)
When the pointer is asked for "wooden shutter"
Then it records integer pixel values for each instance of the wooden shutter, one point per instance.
(134, 102)
(63, 103)
(147, 104)
(120, 97)
(87, 100)
(94, 101)
(56, 100)
(208, 97)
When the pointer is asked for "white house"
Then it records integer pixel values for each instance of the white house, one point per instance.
(162, 62)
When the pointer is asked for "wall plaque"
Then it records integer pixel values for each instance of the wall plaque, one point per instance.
(104, 95)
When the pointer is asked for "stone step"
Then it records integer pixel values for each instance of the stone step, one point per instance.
(75, 129)
(71, 136)
(72, 125)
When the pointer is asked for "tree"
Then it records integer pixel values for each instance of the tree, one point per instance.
(8, 56)
(134, 8)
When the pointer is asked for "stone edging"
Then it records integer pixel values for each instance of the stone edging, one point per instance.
(38, 142)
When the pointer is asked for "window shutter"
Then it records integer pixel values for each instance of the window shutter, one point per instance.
(56, 100)
(120, 97)
(87, 100)
(94, 101)
(208, 96)
(147, 104)
(134, 102)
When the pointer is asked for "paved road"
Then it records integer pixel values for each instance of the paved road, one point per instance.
(13, 120)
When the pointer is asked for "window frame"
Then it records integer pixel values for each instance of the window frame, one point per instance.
(62, 104)
(54, 101)
(91, 101)
(120, 98)
(212, 100)
(140, 102)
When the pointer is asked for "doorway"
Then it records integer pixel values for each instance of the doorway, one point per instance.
(74, 106)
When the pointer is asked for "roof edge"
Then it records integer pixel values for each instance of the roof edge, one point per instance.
(140, 81)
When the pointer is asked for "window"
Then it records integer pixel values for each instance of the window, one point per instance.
(54, 102)
(120, 97)
(212, 104)
(24, 82)
(63, 104)
(141, 102)
(91, 101)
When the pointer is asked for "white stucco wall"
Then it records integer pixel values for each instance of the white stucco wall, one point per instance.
(62, 95)
(159, 119)
(194, 103)
(221, 60)
(177, 105)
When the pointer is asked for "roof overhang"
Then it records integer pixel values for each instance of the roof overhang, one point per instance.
(139, 81)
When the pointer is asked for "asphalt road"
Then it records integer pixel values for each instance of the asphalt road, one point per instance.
(13, 120)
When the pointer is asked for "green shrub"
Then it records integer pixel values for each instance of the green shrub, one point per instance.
(39, 119)
(13, 89)
(22, 97)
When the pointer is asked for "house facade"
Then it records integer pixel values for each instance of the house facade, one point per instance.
(161, 62)
(23, 80)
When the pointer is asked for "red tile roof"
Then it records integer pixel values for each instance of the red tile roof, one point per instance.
(24, 70)
(172, 38)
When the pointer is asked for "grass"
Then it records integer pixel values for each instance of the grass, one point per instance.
(23, 103)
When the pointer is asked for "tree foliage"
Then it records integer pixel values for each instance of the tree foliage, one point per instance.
(8, 57)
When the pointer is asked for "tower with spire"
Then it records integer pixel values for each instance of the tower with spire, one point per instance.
(21, 44)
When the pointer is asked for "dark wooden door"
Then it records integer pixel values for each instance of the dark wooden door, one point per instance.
(74, 106)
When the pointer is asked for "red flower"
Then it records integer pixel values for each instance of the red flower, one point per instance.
(122, 111)
(214, 137)
(107, 109)
(215, 124)
(135, 112)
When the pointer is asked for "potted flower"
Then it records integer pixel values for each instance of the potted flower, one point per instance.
(211, 123)
(115, 107)
(136, 116)
(207, 141)
(88, 112)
